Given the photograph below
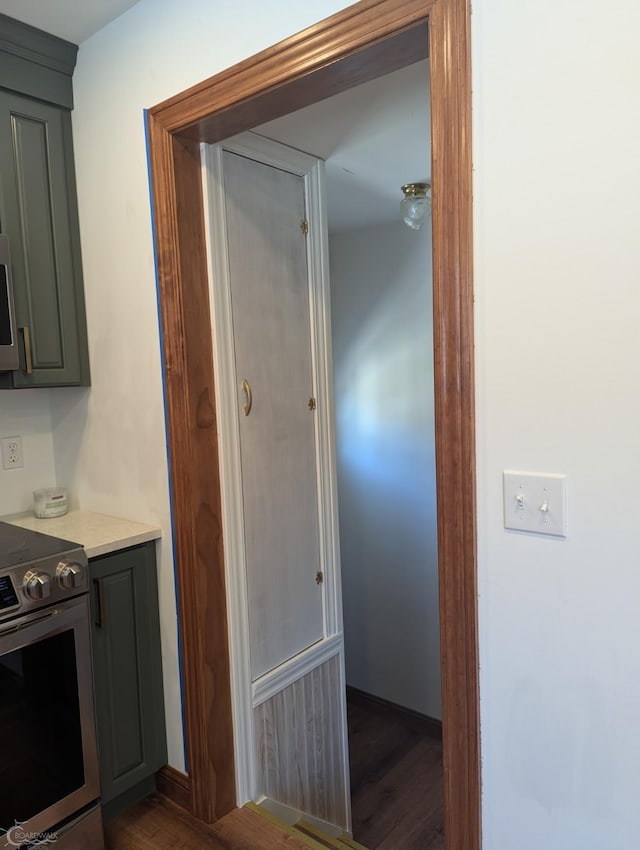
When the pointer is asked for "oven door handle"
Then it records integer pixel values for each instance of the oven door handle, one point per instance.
(25, 624)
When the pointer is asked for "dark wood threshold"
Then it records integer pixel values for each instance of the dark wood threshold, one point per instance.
(432, 725)
(174, 785)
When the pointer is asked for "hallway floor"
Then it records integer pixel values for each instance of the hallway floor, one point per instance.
(396, 777)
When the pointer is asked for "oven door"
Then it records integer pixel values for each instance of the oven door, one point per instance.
(48, 754)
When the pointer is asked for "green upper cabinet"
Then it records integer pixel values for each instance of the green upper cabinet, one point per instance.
(38, 211)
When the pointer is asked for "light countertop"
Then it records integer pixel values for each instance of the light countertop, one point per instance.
(99, 534)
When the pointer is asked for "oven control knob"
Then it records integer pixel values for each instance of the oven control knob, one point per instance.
(69, 575)
(37, 585)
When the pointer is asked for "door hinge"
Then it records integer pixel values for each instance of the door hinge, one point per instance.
(304, 226)
(311, 404)
(319, 577)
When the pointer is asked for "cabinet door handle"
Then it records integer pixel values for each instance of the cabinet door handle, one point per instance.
(101, 613)
(27, 349)
(246, 386)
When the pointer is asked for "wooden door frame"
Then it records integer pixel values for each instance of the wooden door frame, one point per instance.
(361, 42)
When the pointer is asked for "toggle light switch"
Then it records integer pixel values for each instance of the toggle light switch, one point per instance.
(535, 503)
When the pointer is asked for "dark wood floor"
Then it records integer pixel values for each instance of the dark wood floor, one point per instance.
(396, 778)
(396, 784)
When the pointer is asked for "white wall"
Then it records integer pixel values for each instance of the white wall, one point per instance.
(27, 414)
(381, 319)
(556, 188)
(557, 257)
(110, 442)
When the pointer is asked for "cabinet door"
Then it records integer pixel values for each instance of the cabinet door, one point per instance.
(127, 669)
(38, 212)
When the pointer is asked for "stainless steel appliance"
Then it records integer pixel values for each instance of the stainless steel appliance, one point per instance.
(8, 330)
(49, 786)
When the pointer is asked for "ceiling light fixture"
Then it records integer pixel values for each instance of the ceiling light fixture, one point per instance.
(416, 204)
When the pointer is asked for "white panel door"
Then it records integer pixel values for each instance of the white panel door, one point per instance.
(271, 326)
(270, 317)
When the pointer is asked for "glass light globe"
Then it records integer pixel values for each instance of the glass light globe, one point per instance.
(415, 204)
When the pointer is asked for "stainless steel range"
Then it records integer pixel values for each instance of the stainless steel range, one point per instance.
(49, 786)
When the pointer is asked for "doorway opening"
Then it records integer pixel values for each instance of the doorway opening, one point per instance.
(374, 138)
(366, 40)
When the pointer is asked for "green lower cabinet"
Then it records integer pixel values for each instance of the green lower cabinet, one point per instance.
(127, 674)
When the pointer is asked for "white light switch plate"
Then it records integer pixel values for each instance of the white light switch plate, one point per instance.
(535, 503)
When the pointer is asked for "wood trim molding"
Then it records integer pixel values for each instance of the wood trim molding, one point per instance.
(174, 785)
(230, 471)
(322, 60)
(193, 457)
(455, 416)
(363, 41)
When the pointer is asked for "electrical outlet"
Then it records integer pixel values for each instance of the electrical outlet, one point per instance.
(12, 453)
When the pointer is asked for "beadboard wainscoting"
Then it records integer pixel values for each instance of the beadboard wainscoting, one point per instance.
(300, 744)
